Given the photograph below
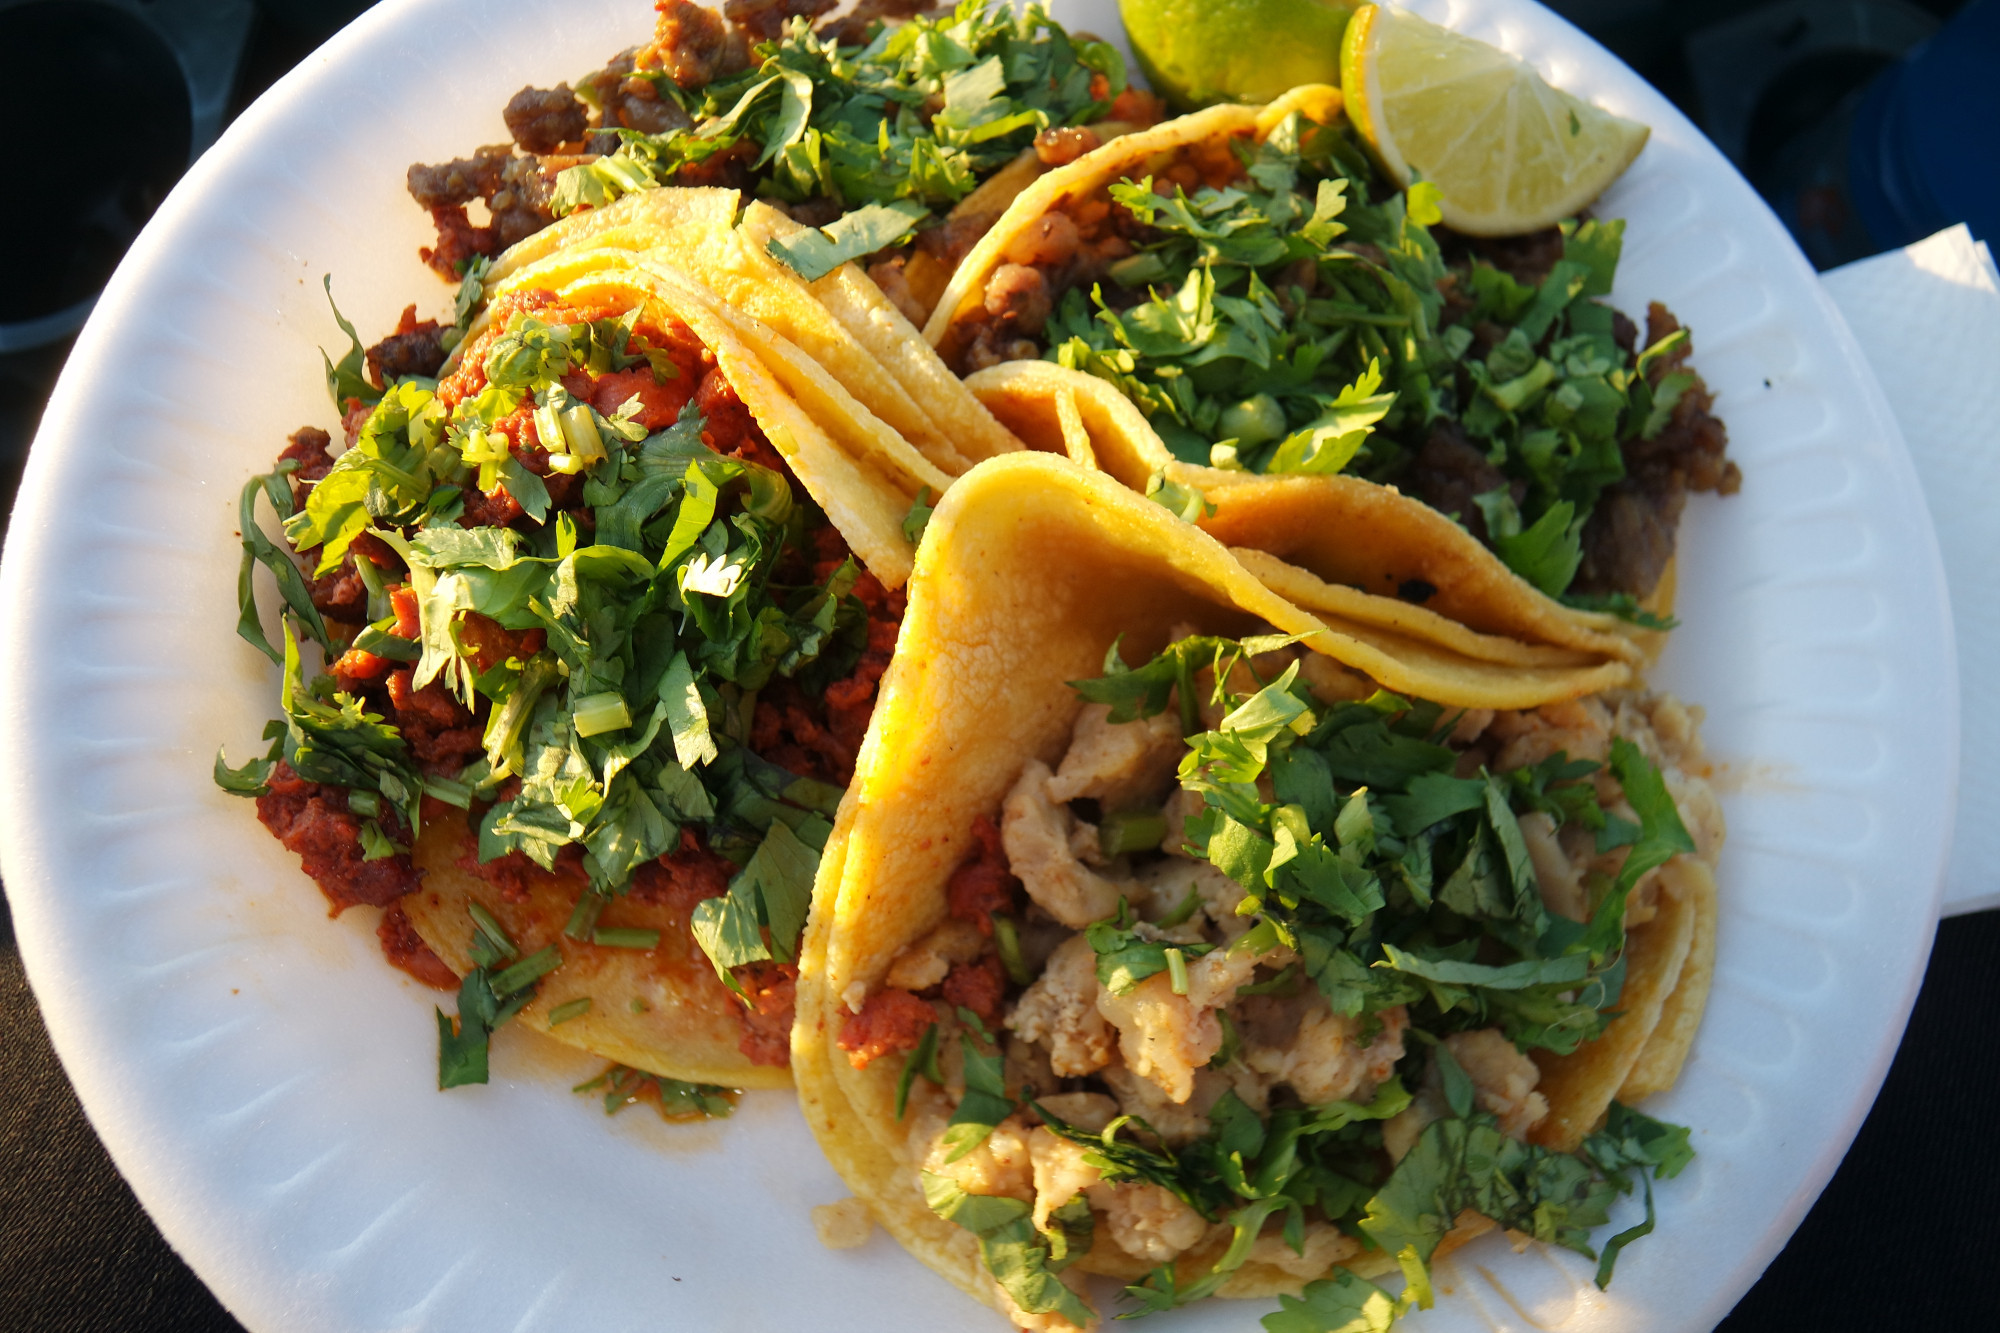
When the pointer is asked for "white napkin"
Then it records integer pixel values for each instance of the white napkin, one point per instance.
(1928, 318)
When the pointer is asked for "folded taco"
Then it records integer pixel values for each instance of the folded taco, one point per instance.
(840, 319)
(1270, 304)
(1155, 941)
(603, 611)
(1319, 541)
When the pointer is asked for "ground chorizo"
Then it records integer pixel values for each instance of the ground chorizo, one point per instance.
(543, 119)
(312, 820)
(891, 1020)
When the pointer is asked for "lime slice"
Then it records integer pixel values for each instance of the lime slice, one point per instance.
(1508, 152)
(1195, 52)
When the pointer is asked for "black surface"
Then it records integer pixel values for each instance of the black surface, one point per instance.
(1900, 1239)
(1912, 1206)
(76, 1250)
(79, 228)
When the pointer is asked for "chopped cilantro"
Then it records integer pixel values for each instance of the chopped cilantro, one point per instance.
(658, 626)
(1124, 958)
(677, 1099)
(1342, 1303)
(816, 252)
(985, 1103)
(919, 516)
(1397, 882)
(1296, 321)
(923, 1060)
(1023, 1260)
(902, 125)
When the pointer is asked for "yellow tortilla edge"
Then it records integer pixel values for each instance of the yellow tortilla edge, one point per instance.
(853, 299)
(860, 491)
(1666, 1050)
(669, 1036)
(1308, 522)
(1098, 167)
(1581, 1086)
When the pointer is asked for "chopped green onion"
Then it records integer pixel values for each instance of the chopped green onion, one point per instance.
(548, 428)
(639, 1006)
(1516, 392)
(1177, 970)
(449, 790)
(621, 937)
(377, 845)
(528, 971)
(1184, 910)
(627, 172)
(1008, 941)
(1231, 1041)
(495, 933)
(583, 918)
(585, 444)
(1254, 421)
(379, 605)
(576, 1008)
(599, 713)
(1132, 831)
(378, 640)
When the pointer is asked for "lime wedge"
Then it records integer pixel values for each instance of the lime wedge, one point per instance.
(1195, 52)
(1508, 152)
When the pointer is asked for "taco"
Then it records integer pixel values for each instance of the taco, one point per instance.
(1270, 304)
(619, 589)
(1229, 973)
(1315, 540)
(840, 319)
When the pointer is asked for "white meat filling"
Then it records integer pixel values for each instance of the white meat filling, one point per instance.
(1322, 1056)
(1503, 1083)
(1166, 1037)
(1060, 1012)
(1150, 1049)
(1035, 829)
(1119, 764)
(928, 961)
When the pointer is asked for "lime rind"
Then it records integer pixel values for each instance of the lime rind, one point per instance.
(1509, 152)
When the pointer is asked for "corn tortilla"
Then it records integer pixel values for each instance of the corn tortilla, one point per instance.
(1580, 1086)
(662, 1010)
(1032, 566)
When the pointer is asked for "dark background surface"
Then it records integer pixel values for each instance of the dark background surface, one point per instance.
(1901, 1237)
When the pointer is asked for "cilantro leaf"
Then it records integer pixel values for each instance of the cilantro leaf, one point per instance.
(770, 893)
(261, 550)
(1567, 969)
(1548, 553)
(346, 379)
(922, 1060)
(1124, 958)
(984, 1105)
(919, 516)
(1662, 836)
(814, 253)
(1342, 1303)
(486, 999)
(1018, 1256)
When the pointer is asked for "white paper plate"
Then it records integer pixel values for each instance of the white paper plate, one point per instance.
(266, 1083)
